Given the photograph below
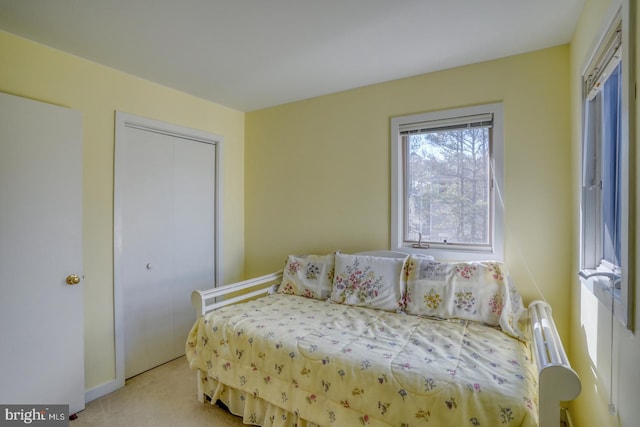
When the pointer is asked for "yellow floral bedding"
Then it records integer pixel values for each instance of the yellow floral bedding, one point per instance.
(338, 365)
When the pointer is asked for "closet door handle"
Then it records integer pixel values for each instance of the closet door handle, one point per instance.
(73, 279)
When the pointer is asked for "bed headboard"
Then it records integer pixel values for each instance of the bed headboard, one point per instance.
(383, 253)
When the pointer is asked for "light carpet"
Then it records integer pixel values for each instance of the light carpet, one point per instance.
(163, 396)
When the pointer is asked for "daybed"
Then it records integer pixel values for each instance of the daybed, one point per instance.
(392, 340)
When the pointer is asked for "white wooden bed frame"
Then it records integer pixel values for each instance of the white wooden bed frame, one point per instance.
(557, 381)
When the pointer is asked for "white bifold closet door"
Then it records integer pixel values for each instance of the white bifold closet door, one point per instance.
(167, 207)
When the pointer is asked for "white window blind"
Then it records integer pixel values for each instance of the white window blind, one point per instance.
(478, 120)
(606, 58)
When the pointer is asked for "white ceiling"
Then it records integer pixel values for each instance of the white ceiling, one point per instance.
(251, 54)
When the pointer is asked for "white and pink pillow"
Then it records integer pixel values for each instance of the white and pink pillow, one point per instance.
(478, 291)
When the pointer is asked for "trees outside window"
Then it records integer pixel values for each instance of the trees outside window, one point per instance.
(447, 186)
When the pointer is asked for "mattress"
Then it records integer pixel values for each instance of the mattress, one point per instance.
(337, 365)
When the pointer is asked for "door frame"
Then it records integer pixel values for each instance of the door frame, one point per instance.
(123, 121)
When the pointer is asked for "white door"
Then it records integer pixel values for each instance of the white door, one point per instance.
(166, 206)
(41, 316)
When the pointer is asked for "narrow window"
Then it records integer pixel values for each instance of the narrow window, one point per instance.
(607, 216)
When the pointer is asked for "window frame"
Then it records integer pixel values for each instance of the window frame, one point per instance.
(496, 167)
(612, 285)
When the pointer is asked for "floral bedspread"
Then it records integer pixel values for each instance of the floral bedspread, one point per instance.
(338, 365)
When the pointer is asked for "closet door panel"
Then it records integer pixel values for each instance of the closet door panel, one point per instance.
(148, 265)
(193, 228)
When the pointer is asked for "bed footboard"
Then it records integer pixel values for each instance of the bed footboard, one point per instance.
(206, 301)
(212, 299)
(557, 381)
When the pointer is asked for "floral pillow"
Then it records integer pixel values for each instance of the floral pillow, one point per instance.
(478, 291)
(310, 276)
(368, 281)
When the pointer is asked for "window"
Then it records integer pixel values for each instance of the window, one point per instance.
(606, 213)
(447, 176)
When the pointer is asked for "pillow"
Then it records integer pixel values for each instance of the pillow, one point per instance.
(368, 281)
(310, 276)
(478, 291)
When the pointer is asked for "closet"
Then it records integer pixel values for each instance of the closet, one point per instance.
(165, 235)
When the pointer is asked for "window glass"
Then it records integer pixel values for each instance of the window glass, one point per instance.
(447, 187)
(611, 178)
(603, 187)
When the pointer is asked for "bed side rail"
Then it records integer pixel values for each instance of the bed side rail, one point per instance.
(557, 381)
(209, 300)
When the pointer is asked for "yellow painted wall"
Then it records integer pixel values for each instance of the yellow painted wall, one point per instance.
(318, 171)
(314, 176)
(590, 321)
(38, 72)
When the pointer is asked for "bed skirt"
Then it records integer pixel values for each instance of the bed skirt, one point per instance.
(253, 410)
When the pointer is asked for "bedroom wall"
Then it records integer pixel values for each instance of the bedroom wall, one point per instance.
(35, 71)
(590, 321)
(318, 171)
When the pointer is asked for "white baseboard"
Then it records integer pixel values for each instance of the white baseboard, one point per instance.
(102, 390)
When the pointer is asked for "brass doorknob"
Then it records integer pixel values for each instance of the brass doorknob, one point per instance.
(73, 279)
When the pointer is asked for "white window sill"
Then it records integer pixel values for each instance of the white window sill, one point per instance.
(442, 254)
(602, 288)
